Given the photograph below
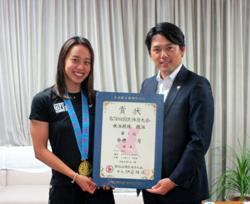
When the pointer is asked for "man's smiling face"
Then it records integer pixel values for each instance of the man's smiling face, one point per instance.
(165, 55)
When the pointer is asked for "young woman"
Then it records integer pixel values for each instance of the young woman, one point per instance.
(64, 115)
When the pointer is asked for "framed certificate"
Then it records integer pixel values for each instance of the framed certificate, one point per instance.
(128, 139)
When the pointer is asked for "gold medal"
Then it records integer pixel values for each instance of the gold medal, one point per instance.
(85, 168)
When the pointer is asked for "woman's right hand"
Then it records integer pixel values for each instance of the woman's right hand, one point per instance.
(85, 183)
(40, 136)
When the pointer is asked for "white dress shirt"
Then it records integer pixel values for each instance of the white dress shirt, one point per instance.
(165, 85)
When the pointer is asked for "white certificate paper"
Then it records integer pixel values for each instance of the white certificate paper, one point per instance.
(128, 140)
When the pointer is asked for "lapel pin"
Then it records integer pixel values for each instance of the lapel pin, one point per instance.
(178, 88)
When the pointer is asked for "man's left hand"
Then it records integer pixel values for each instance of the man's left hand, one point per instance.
(162, 187)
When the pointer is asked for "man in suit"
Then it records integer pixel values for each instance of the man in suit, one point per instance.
(188, 120)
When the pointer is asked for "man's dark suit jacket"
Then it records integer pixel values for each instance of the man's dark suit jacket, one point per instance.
(188, 121)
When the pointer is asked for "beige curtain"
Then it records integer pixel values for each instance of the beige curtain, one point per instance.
(217, 46)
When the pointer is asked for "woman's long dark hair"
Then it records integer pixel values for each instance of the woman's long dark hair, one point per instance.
(88, 84)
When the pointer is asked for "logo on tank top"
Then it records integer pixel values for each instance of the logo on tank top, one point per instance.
(60, 107)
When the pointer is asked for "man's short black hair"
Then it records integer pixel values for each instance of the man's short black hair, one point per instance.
(169, 30)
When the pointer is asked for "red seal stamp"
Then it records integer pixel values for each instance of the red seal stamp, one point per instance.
(109, 169)
(146, 172)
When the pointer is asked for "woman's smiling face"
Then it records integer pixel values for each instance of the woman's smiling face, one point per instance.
(77, 67)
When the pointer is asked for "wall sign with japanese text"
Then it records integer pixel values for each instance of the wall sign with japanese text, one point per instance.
(128, 139)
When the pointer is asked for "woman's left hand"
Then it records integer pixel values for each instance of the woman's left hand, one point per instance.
(108, 187)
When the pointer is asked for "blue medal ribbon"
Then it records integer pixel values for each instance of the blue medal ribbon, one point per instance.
(82, 136)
